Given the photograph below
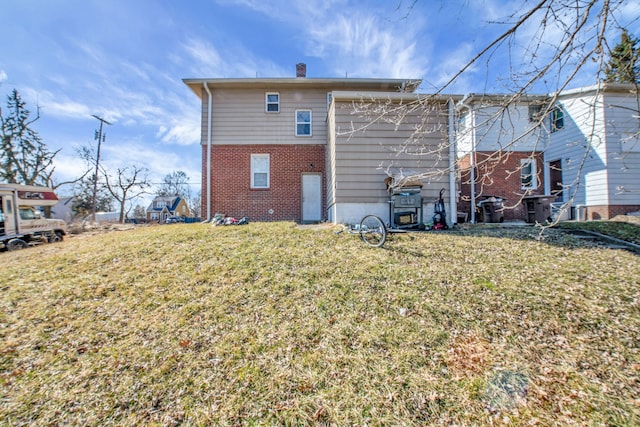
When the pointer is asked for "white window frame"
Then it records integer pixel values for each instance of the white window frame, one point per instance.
(260, 164)
(267, 103)
(557, 119)
(310, 123)
(531, 163)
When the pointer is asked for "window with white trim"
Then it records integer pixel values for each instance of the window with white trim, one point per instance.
(528, 179)
(303, 122)
(557, 119)
(272, 102)
(260, 175)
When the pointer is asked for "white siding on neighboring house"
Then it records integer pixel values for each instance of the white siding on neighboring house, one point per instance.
(596, 162)
(364, 152)
(580, 147)
(497, 129)
(621, 110)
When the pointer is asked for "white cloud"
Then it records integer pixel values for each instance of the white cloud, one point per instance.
(350, 39)
(3, 76)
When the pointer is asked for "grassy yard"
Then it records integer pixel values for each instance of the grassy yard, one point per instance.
(274, 324)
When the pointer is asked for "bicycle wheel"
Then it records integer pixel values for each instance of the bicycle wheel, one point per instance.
(373, 231)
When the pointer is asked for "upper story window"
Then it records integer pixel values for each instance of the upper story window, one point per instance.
(260, 171)
(535, 112)
(528, 177)
(462, 122)
(303, 122)
(557, 119)
(272, 102)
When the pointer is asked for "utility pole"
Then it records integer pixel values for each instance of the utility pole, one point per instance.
(100, 137)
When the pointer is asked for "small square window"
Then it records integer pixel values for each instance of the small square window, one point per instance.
(272, 102)
(303, 122)
(260, 171)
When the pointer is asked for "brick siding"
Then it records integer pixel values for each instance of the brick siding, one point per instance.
(498, 174)
(232, 194)
(609, 212)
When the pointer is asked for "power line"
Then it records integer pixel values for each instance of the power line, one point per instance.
(100, 137)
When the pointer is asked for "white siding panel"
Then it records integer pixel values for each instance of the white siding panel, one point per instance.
(623, 148)
(510, 129)
(580, 146)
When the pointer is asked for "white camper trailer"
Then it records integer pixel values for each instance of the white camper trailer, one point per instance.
(21, 223)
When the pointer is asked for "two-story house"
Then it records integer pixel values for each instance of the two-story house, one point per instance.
(313, 149)
(163, 207)
(592, 162)
(581, 147)
(500, 145)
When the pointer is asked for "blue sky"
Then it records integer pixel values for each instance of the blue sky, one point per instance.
(124, 60)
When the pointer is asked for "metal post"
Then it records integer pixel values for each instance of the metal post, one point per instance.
(100, 137)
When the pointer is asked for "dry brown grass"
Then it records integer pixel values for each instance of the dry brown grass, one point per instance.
(272, 324)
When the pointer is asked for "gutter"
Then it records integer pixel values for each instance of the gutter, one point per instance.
(209, 113)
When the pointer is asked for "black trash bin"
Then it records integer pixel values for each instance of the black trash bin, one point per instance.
(491, 209)
(538, 208)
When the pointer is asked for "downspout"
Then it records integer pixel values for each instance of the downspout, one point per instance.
(452, 166)
(472, 162)
(209, 106)
(472, 157)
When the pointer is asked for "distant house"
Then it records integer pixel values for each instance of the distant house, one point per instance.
(162, 207)
(312, 149)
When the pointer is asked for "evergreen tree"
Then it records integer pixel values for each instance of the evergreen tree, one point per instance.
(83, 200)
(624, 63)
(24, 158)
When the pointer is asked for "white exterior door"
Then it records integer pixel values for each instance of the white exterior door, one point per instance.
(311, 197)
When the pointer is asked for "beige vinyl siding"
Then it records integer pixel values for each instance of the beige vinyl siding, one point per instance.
(364, 158)
(239, 117)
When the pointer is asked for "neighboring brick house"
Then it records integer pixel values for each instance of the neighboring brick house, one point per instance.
(163, 207)
(501, 153)
(286, 148)
(585, 153)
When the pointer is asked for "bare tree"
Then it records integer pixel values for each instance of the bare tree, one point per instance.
(550, 46)
(175, 184)
(128, 183)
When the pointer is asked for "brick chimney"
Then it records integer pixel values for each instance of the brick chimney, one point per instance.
(301, 70)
